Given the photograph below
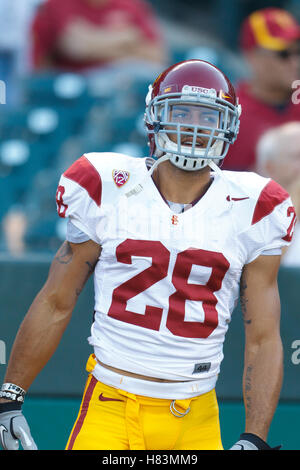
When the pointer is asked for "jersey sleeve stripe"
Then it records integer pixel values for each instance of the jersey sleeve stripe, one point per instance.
(86, 175)
(271, 196)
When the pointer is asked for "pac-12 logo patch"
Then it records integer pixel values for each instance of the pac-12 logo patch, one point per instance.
(120, 177)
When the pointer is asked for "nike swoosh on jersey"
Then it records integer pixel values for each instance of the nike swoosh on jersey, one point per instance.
(236, 198)
(102, 398)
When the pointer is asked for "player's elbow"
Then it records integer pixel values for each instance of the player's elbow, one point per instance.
(265, 341)
(59, 302)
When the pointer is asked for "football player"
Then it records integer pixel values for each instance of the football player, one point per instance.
(173, 242)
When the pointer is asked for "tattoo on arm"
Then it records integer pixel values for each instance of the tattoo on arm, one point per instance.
(244, 299)
(91, 269)
(91, 266)
(65, 254)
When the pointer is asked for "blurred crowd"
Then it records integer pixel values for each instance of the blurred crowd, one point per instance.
(74, 75)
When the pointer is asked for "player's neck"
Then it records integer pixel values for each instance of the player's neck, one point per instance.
(181, 186)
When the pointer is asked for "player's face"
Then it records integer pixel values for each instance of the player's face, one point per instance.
(277, 69)
(187, 116)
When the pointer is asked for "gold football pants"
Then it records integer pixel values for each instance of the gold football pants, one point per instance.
(112, 419)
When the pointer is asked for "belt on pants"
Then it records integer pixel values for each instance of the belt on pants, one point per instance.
(178, 408)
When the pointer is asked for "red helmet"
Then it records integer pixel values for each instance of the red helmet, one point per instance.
(192, 114)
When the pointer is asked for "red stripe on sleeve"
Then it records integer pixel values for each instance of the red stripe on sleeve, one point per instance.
(271, 196)
(84, 408)
(86, 175)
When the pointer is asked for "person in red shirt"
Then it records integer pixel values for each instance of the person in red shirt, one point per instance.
(76, 35)
(269, 41)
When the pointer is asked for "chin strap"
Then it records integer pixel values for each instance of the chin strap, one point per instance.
(222, 175)
(164, 158)
(215, 167)
(139, 186)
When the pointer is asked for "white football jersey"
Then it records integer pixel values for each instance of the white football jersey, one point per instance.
(166, 283)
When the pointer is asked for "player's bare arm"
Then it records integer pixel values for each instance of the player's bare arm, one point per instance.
(50, 312)
(83, 42)
(263, 348)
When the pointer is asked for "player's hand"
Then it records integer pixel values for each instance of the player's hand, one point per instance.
(250, 441)
(14, 429)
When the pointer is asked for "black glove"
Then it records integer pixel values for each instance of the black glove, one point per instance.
(250, 441)
(14, 427)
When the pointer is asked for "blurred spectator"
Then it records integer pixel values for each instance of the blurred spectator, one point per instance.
(14, 227)
(278, 157)
(219, 56)
(79, 35)
(270, 44)
(15, 19)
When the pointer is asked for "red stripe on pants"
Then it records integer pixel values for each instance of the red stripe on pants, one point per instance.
(84, 408)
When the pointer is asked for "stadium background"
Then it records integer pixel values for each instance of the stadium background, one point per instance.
(64, 115)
